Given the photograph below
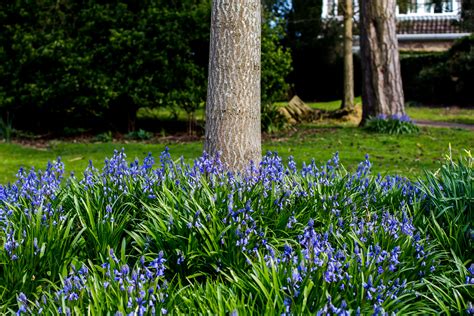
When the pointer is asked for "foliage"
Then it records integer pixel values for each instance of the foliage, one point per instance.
(467, 15)
(449, 208)
(104, 137)
(139, 135)
(276, 60)
(76, 60)
(189, 239)
(441, 78)
(394, 125)
(68, 63)
(276, 66)
(272, 120)
(6, 128)
(316, 49)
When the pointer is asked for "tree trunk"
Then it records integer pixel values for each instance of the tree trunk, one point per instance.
(233, 94)
(382, 90)
(348, 101)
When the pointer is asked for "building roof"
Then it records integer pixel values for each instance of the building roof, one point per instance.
(442, 24)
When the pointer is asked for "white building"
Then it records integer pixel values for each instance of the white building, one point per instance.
(409, 8)
(421, 24)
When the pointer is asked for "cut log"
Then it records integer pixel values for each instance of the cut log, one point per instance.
(298, 112)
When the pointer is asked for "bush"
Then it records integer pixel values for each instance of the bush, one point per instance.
(93, 64)
(194, 239)
(395, 125)
(6, 128)
(139, 135)
(441, 78)
(272, 120)
(105, 137)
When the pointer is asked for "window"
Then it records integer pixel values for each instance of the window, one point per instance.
(440, 6)
(407, 6)
(426, 6)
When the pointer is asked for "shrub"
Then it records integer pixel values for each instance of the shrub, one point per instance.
(272, 120)
(395, 125)
(440, 78)
(139, 135)
(105, 137)
(6, 128)
(94, 64)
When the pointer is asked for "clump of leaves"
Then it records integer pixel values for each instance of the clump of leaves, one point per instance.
(6, 129)
(449, 207)
(104, 137)
(393, 125)
(272, 120)
(139, 135)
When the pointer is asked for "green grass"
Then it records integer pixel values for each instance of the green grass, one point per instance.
(438, 114)
(452, 115)
(166, 114)
(76, 156)
(406, 155)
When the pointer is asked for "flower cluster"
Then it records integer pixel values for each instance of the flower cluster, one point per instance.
(398, 117)
(335, 242)
(138, 291)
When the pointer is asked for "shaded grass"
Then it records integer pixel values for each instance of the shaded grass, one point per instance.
(438, 114)
(405, 155)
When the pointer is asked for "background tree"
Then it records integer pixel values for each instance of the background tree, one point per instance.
(468, 15)
(382, 90)
(233, 95)
(75, 65)
(317, 53)
(93, 64)
(348, 100)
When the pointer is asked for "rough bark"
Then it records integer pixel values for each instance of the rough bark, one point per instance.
(348, 100)
(382, 90)
(233, 95)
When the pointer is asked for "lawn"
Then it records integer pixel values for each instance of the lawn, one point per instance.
(438, 114)
(405, 155)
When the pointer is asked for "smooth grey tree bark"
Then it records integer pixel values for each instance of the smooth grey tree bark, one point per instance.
(233, 94)
(382, 90)
(348, 100)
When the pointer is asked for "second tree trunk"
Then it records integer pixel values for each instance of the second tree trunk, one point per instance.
(382, 90)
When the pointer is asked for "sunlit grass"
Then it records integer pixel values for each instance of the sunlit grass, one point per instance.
(406, 155)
